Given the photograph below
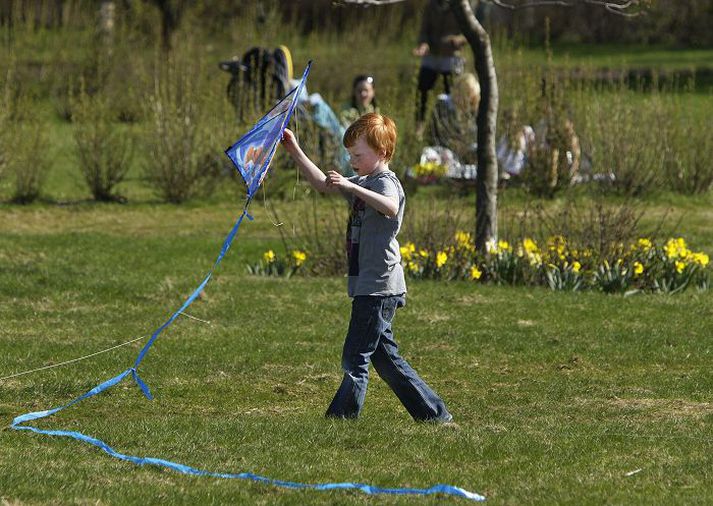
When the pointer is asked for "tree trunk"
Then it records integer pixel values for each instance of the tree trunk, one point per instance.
(170, 15)
(105, 28)
(486, 198)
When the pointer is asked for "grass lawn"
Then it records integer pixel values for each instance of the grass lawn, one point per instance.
(558, 396)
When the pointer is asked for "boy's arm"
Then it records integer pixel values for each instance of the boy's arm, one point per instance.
(307, 167)
(385, 204)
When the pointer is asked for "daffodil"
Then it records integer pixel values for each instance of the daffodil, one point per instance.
(557, 243)
(463, 239)
(680, 266)
(576, 267)
(638, 267)
(644, 244)
(299, 257)
(535, 259)
(475, 273)
(491, 246)
(441, 259)
(700, 258)
(504, 246)
(407, 250)
(676, 248)
(269, 256)
(530, 246)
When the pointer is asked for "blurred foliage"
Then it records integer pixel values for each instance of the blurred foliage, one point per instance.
(685, 24)
(50, 46)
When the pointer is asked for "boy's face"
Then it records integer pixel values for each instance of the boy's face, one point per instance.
(364, 160)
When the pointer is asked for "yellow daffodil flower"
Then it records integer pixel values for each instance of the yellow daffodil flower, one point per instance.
(676, 248)
(269, 256)
(463, 239)
(407, 250)
(680, 266)
(530, 245)
(299, 257)
(700, 258)
(645, 244)
(475, 273)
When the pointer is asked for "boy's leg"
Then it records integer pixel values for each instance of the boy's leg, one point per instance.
(360, 343)
(418, 398)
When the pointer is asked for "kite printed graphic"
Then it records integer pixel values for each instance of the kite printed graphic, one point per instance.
(251, 155)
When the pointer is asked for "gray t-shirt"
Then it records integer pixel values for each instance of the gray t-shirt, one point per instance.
(372, 249)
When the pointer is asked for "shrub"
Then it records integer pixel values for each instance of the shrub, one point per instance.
(688, 143)
(29, 160)
(181, 135)
(104, 149)
(23, 139)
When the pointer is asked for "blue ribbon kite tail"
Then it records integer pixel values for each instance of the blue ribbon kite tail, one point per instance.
(253, 175)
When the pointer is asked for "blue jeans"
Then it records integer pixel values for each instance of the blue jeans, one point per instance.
(370, 339)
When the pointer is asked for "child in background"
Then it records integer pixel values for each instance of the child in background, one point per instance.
(363, 100)
(376, 280)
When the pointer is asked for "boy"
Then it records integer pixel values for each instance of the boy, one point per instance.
(376, 279)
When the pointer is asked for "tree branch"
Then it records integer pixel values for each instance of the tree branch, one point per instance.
(365, 3)
(619, 7)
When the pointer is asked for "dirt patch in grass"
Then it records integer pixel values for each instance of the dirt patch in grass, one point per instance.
(670, 409)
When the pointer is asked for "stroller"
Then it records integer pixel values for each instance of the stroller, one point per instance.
(258, 79)
(261, 77)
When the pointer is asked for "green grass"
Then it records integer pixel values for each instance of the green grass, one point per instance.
(557, 396)
(628, 56)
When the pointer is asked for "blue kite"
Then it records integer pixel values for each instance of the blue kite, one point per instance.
(251, 155)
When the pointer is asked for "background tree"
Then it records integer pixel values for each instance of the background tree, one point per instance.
(486, 216)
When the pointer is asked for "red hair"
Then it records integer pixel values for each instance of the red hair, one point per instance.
(379, 132)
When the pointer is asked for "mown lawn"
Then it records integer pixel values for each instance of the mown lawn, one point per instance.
(557, 396)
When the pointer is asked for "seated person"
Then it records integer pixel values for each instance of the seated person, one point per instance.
(559, 138)
(513, 146)
(363, 100)
(453, 123)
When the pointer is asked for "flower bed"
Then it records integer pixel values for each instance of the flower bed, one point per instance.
(641, 266)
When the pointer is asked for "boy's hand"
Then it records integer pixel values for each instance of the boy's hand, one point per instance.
(289, 141)
(335, 179)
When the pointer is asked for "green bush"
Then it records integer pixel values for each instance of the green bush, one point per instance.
(181, 133)
(104, 149)
(29, 159)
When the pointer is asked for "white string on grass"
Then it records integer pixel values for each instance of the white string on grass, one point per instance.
(73, 360)
(67, 362)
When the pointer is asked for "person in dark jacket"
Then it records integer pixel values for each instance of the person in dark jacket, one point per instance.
(439, 43)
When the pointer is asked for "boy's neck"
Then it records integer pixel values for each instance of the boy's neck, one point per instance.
(378, 170)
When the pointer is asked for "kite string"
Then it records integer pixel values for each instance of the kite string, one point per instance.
(67, 362)
(78, 359)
